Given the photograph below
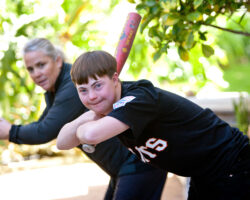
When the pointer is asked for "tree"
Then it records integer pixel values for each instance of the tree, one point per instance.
(181, 22)
(66, 23)
(24, 20)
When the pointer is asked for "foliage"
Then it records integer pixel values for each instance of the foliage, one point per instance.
(68, 24)
(238, 77)
(169, 71)
(20, 24)
(237, 46)
(241, 114)
(199, 73)
(181, 22)
(237, 51)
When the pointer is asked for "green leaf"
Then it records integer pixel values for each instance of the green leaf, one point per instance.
(150, 3)
(23, 30)
(176, 30)
(157, 55)
(145, 21)
(194, 16)
(190, 40)
(155, 32)
(141, 6)
(197, 3)
(170, 20)
(202, 35)
(155, 10)
(183, 53)
(209, 20)
(207, 50)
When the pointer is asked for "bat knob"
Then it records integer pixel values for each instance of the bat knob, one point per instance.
(88, 148)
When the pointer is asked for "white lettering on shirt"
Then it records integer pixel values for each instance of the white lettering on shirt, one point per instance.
(158, 143)
(151, 143)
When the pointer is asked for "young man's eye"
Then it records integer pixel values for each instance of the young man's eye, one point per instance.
(98, 85)
(41, 65)
(83, 91)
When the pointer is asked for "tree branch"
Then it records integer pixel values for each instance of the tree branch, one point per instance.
(228, 30)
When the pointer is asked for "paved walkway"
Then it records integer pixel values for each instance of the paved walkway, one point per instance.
(82, 181)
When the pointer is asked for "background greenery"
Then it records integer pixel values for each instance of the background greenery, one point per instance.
(186, 46)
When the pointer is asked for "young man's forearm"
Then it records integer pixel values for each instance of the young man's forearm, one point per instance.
(67, 136)
(97, 131)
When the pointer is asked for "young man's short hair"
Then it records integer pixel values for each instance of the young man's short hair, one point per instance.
(92, 64)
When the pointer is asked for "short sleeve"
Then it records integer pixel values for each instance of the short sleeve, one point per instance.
(137, 108)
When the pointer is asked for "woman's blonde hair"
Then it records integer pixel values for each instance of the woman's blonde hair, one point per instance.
(44, 45)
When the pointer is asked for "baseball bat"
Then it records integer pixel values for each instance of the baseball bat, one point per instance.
(126, 39)
(122, 51)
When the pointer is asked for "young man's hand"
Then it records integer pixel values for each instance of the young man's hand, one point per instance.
(88, 117)
(67, 136)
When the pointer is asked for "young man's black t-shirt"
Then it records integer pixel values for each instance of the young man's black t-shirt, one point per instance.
(175, 134)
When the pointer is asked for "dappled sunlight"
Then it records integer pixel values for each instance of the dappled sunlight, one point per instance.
(216, 75)
(56, 182)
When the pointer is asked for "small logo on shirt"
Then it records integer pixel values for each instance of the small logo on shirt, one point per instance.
(123, 101)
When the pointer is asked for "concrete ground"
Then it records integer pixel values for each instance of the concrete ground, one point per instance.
(81, 181)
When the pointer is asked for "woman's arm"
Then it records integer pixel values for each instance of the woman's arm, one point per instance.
(67, 138)
(94, 132)
(65, 108)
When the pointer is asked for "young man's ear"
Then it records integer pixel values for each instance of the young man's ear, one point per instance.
(115, 77)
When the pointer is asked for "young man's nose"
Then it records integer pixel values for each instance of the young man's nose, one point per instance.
(92, 94)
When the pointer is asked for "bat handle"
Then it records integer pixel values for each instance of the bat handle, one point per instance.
(88, 148)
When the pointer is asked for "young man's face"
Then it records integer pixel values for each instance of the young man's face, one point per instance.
(99, 95)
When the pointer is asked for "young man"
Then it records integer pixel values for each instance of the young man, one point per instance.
(47, 68)
(161, 128)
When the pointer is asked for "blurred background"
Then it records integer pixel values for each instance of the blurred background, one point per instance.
(198, 49)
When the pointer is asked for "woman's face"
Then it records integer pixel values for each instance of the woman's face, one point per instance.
(43, 69)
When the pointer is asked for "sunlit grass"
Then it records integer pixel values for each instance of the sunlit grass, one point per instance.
(238, 78)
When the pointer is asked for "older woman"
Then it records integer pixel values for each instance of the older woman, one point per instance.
(130, 178)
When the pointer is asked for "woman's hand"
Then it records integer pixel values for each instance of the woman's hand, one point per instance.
(4, 129)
